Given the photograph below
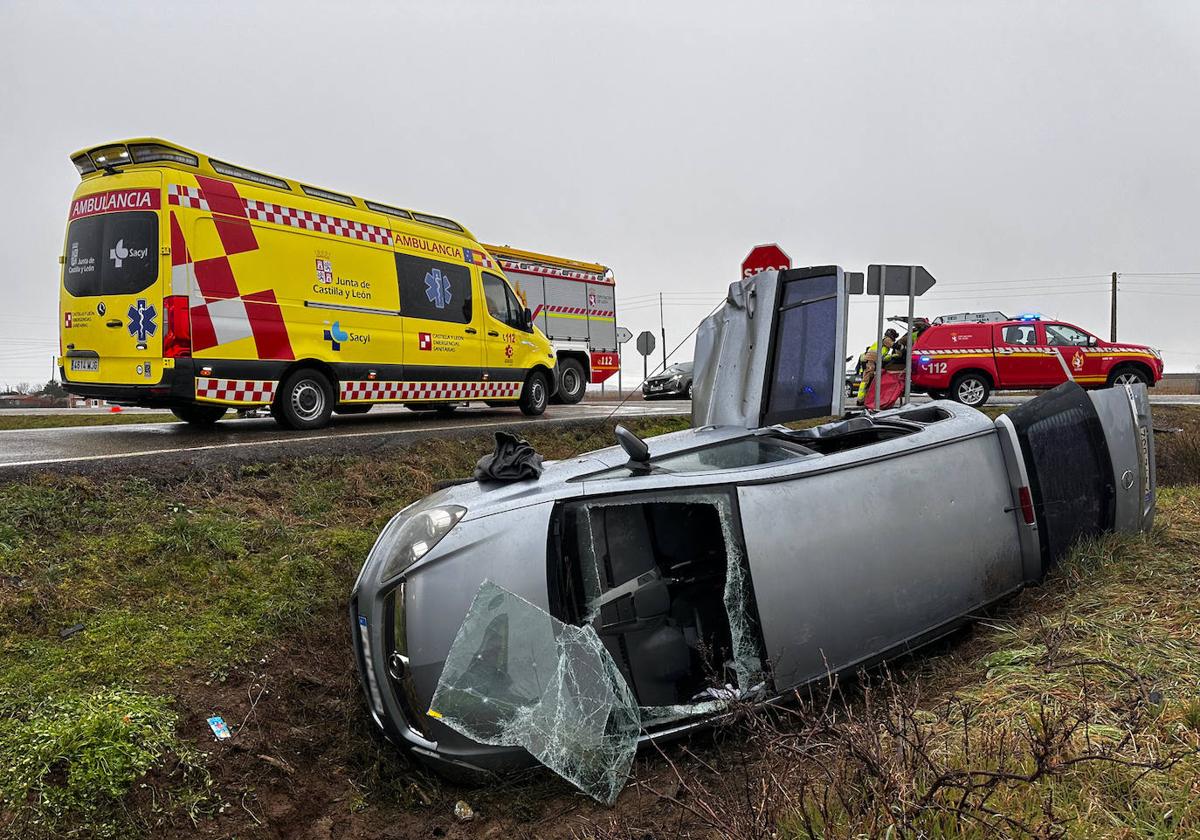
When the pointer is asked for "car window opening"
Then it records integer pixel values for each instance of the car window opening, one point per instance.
(664, 584)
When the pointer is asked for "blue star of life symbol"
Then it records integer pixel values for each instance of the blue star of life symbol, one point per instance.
(141, 319)
(437, 288)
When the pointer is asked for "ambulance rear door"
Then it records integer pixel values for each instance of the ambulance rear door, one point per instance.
(111, 297)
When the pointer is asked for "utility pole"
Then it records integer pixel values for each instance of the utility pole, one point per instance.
(1113, 329)
(663, 329)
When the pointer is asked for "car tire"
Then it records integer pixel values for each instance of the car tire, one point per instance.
(353, 409)
(687, 392)
(572, 383)
(970, 389)
(534, 395)
(200, 416)
(305, 400)
(1127, 375)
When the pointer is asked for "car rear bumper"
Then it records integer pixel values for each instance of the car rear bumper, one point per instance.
(178, 385)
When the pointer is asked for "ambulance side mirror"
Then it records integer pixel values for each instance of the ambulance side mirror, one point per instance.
(527, 320)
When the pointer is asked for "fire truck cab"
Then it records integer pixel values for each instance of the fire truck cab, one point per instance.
(967, 360)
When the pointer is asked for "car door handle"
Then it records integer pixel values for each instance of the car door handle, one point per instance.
(493, 333)
(470, 330)
(115, 322)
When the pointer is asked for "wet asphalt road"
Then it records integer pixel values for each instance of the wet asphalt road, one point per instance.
(78, 449)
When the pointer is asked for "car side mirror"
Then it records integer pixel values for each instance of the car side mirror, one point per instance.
(634, 446)
(1091, 341)
(527, 319)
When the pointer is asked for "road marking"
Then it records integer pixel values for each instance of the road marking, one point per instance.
(291, 440)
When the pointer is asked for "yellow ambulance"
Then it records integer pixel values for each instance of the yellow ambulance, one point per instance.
(198, 285)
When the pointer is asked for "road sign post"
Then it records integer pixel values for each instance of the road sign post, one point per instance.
(910, 280)
(645, 346)
(765, 258)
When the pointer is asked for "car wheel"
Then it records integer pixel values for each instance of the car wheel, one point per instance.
(687, 392)
(970, 389)
(199, 415)
(534, 395)
(353, 409)
(572, 383)
(1127, 375)
(305, 401)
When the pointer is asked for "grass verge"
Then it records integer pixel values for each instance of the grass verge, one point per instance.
(52, 420)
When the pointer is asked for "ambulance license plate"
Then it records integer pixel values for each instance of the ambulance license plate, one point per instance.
(92, 365)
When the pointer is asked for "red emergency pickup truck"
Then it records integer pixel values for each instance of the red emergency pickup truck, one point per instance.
(967, 361)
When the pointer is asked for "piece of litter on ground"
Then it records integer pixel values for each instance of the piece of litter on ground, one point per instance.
(463, 811)
(219, 728)
(68, 632)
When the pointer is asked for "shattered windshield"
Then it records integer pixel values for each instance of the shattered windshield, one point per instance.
(517, 677)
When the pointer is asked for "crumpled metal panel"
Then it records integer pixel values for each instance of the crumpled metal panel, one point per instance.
(516, 676)
(731, 355)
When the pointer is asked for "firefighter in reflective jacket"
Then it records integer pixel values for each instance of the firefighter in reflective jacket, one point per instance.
(869, 362)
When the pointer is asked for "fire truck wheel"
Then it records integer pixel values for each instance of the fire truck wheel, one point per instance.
(199, 415)
(305, 401)
(571, 382)
(534, 395)
(1127, 375)
(970, 389)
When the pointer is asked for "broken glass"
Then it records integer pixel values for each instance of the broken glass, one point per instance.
(516, 676)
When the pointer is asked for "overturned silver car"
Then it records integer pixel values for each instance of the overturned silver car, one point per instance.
(634, 592)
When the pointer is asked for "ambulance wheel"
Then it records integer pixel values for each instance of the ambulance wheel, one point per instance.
(199, 415)
(534, 395)
(1127, 375)
(305, 400)
(571, 382)
(970, 389)
(352, 409)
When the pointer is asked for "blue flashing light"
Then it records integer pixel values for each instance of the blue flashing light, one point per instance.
(925, 360)
(1029, 316)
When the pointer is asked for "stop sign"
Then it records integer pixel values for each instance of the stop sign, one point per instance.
(763, 258)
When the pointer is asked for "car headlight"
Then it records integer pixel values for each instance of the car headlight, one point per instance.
(412, 535)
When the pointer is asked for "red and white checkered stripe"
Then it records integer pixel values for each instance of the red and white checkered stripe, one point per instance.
(186, 196)
(404, 391)
(235, 390)
(553, 271)
(265, 211)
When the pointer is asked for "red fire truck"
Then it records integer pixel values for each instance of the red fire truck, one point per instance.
(966, 359)
(574, 303)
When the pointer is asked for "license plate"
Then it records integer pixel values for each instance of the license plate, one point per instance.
(92, 365)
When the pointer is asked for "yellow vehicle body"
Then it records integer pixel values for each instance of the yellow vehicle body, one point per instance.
(191, 282)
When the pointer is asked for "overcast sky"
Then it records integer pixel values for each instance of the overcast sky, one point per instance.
(1005, 146)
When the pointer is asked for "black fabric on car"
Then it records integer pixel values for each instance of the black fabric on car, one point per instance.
(1070, 470)
(513, 460)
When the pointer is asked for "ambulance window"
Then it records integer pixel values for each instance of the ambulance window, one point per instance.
(435, 290)
(516, 309)
(497, 303)
(111, 254)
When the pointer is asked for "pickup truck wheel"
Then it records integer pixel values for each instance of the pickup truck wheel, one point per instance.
(199, 415)
(305, 401)
(571, 382)
(534, 395)
(1127, 375)
(970, 389)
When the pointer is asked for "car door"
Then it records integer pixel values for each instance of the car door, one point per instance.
(1071, 344)
(509, 351)
(442, 340)
(1022, 358)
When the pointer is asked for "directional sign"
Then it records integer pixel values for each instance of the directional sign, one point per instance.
(854, 283)
(624, 335)
(645, 342)
(765, 258)
(895, 279)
